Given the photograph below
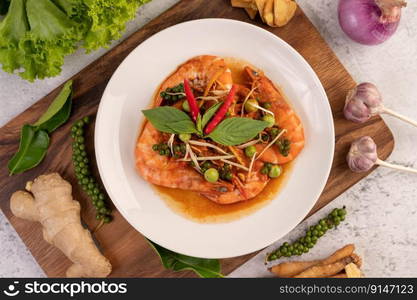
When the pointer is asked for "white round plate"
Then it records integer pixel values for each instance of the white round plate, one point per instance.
(131, 89)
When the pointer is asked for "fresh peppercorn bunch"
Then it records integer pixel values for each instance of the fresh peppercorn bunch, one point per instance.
(162, 149)
(273, 132)
(284, 147)
(205, 166)
(305, 243)
(226, 172)
(172, 95)
(83, 172)
(179, 150)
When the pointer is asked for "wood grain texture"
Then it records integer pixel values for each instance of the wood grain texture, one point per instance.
(125, 247)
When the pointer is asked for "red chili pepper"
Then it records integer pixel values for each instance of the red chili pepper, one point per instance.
(218, 117)
(191, 100)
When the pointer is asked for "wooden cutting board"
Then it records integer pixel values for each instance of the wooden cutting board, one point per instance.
(124, 246)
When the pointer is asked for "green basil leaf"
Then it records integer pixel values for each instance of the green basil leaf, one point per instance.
(205, 268)
(210, 113)
(236, 131)
(162, 116)
(186, 126)
(58, 119)
(199, 124)
(32, 149)
(56, 105)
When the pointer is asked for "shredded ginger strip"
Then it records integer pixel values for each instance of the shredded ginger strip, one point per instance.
(234, 164)
(193, 158)
(271, 143)
(202, 158)
(251, 165)
(171, 142)
(197, 143)
(251, 143)
(246, 99)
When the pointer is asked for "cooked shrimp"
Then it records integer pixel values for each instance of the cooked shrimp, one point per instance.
(168, 172)
(210, 74)
(200, 71)
(285, 118)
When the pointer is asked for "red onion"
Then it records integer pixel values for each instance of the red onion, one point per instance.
(370, 22)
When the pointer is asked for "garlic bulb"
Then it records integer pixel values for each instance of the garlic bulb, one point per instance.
(362, 155)
(365, 101)
(362, 103)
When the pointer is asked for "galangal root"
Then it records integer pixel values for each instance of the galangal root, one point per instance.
(275, 13)
(49, 201)
(343, 263)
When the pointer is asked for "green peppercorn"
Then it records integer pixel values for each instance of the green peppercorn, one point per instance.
(250, 106)
(211, 175)
(269, 119)
(206, 165)
(266, 105)
(79, 132)
(229, 176)
(341, 212)
(274, 132)
(107, 219)
(275, 171)
(250, 151)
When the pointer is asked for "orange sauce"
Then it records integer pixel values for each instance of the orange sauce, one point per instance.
(198, 208)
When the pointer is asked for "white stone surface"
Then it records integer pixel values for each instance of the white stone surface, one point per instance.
(382, 208)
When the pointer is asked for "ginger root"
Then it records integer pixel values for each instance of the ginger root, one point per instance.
(52, 205)
(338, 265)
(275, 13)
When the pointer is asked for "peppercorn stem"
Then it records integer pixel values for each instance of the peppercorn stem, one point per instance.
(396, 167)
(401, 117)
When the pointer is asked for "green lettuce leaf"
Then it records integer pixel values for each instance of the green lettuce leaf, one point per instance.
(109, 18)
(12, 29)
(47, 43)
(36, 35)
